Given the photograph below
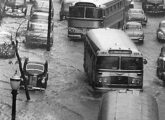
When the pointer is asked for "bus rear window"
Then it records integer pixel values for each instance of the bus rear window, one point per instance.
(76, 12)
(108, 62)
(131, 63)
(93, 13)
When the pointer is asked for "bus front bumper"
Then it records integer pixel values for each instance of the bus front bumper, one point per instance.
(75, 36)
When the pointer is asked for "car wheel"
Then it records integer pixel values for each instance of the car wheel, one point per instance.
(158, 38)
(25, 12)
(157, 73)
(61, 17)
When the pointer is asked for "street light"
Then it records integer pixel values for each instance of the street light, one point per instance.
(15, 83)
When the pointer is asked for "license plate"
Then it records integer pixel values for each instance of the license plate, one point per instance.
(33, 81)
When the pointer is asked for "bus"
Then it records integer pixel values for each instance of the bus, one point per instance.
(112, 61)
(128, 105)
(153, 6)
(91, 14)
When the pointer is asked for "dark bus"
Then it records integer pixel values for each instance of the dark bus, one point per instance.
(153, 6)
(128, 105)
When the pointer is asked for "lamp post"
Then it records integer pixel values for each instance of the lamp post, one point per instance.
(15, 83)
(49, 25)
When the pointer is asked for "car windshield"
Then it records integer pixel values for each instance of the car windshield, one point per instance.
(85, 12)
(34, 68)
(108, 62)
(131, 63)
(129, 26)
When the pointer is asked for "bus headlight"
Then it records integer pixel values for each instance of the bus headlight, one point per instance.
(136, 81)
(71, 30)
(103, 80)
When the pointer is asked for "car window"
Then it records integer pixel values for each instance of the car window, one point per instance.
(34, 66)
(133, 26)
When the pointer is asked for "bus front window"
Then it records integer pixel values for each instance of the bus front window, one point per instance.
(131, 63)
(76, 12)
(108, 62)
(93, 13)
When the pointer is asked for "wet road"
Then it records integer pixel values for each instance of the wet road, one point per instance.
(68, 96)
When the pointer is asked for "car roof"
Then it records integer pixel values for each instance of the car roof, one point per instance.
(36, 60)
(163, 21)
(40, 13)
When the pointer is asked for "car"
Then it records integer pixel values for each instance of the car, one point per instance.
(137, 15)
(64, 11)
(2, 4)
(41, 17)
(37, 34)
(7, 47)
(15, 7)
(160, 70)
(134, 31)
(36, 73)
(42, 6)
(161, 31)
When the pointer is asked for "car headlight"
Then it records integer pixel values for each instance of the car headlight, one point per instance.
(160, 33)
(7, 7)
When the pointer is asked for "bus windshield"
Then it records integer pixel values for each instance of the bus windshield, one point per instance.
(108, 62)
(85, 12)
(131, 63)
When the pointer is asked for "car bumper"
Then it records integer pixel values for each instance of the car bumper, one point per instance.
(137, 39)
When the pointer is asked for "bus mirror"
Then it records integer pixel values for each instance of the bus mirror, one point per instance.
(144, 61)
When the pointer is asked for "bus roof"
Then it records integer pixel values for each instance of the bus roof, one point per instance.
(106, 39)
(128, 105)
(98, 3)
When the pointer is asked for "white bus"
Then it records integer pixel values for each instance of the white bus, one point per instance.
(112, 61)
(88, 14)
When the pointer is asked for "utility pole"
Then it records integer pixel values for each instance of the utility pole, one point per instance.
(49, 25)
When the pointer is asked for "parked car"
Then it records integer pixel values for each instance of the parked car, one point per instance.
(7, 49)
(137, 15)
(2, 4)
(37, 34)
(134, 31)
(36, 72)
(161, 31)
(64, 11)
(42, 6)
(15, 7)
(41, 17)
(160, 71)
